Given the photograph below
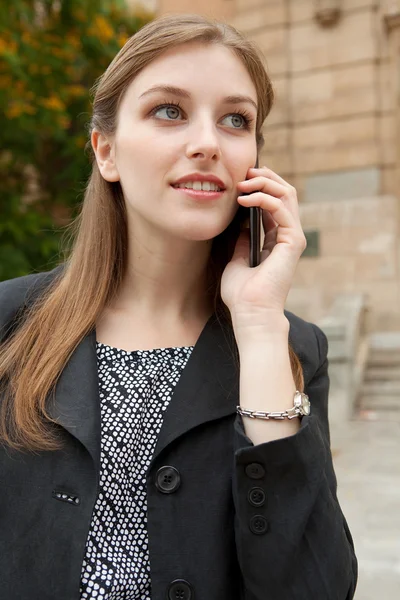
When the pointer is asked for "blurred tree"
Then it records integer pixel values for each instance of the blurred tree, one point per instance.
(51, 53)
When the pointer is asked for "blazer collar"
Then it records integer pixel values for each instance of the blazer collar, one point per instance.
(208, 389)
(76, 404)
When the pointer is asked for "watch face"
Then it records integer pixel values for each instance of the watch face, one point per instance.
(302, 404)
(305, 405)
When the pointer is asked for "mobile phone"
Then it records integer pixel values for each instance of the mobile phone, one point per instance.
(255, 234)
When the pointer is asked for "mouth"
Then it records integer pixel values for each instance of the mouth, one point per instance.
(199, 193)
(199, 186)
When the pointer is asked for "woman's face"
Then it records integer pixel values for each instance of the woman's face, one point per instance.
(189, 114)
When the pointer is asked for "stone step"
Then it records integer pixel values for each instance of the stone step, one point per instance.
(380, 391)
(380, 403)
(377, 415)
(383, 358)
(383, 372)
(388, 340)
(381, 388)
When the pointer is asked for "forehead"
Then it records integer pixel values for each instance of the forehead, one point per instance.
(198, 68)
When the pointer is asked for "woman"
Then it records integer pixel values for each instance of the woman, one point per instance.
(131, 466)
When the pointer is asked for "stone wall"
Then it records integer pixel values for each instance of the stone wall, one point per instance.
(218, 9)
(358, 253)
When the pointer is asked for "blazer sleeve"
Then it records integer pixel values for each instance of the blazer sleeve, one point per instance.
(293, 542)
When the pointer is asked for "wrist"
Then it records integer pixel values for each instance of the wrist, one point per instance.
(266, 333)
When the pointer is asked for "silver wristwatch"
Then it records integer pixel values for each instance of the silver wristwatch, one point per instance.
(301, 407)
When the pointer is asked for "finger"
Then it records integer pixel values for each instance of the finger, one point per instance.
(270, 240)
(268, 222)
(267, 249)
(267, 172)
(262, 184)
(279, 212)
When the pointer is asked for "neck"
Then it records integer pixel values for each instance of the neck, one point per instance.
(167, 282)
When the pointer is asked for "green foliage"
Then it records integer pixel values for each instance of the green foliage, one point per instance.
(51, 53)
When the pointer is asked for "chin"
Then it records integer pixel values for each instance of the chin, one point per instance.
(205, 229)
(202, 234)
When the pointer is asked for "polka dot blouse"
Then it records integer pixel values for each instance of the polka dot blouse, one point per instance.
(135, 390)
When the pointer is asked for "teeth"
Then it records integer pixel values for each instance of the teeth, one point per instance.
(205, 186)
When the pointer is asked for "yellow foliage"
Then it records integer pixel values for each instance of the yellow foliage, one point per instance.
(80, 141)
(18, 108)
(51, 38)
(75, 91)
(19, 86)
(36, 44)
(33, 68)
(101, 29)
(122, 39)
(14, 110)
(29, 109)
(26, 37)
(73, 40)
(80, 15)
(70, 71)
(7, 46)
(5, 81)
(64, 122)
(60, 52)
(53, 103)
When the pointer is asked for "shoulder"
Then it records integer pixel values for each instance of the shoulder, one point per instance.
(309, 343)
(17, 294)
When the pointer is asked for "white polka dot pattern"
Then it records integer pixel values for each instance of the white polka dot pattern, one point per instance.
(135, 389)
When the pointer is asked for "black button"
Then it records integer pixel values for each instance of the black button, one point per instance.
(256, 496)
(259, 525)
(180, 590)
(168, 480)
(255, 471)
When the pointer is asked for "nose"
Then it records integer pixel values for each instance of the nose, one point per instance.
(203, 142)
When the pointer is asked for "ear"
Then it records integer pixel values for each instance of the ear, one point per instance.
(105, 156)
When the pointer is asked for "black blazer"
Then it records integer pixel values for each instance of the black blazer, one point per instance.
(245, 522)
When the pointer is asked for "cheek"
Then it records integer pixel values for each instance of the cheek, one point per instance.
(133, 160)
(142, 153)
(241, 160)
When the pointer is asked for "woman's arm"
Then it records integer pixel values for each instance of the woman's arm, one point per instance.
(296, 545)
(292, 539)
(266, 379)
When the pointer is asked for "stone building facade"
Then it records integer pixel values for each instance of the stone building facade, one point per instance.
(334, 134)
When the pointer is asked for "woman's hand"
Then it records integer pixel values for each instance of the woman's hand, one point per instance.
(256, 296)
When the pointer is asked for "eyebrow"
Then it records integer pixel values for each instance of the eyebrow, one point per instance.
(176, 91)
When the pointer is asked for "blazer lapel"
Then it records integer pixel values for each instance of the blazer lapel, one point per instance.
(77, 406)
(208, 388)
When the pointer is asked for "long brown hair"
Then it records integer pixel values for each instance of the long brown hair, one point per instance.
(33, 357)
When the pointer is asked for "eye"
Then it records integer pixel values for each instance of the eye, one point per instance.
(169, 112)
(238, 121)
